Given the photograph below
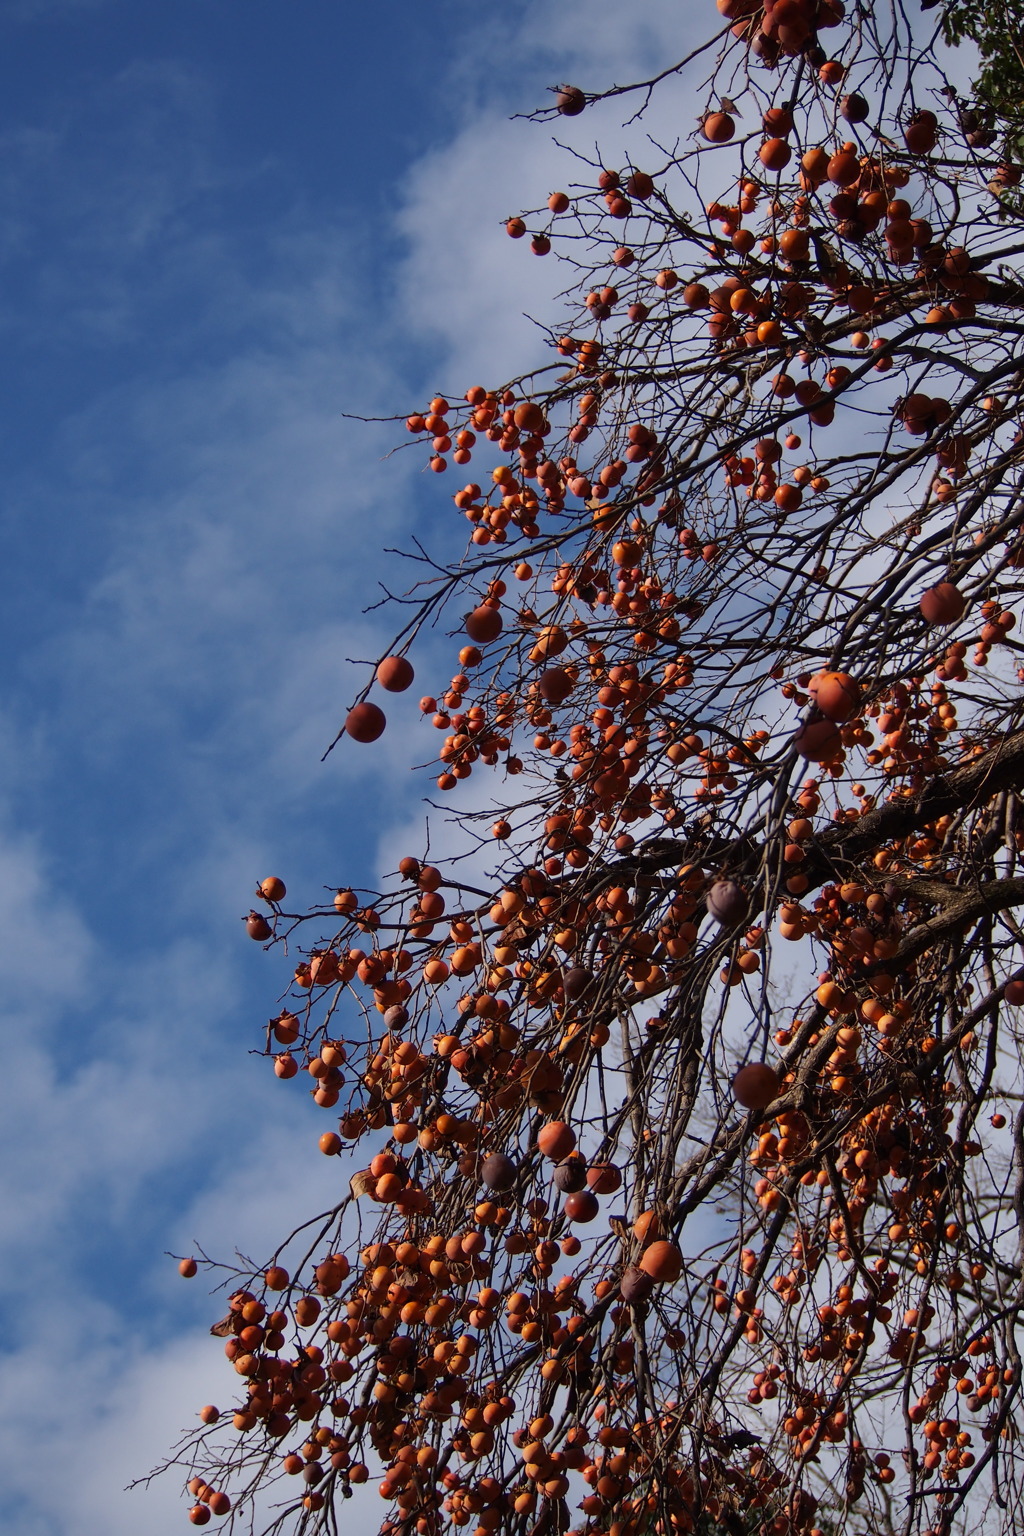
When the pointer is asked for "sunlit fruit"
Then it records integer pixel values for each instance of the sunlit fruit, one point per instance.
(836, 694)
(528, 417)
(604, 1178)
(718, 127)
(556, 1140)
(395, 673)
(663, 1261)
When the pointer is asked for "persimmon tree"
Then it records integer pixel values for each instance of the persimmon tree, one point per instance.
(678, 1123)
(998, 35)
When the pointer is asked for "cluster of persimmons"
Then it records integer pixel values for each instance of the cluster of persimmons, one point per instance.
(679, 1190)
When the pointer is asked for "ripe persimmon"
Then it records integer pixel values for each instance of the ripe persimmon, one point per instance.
(581, 1205)
(484, 624)
(818, 741)
(395, 673)
(756, 1085)
(662, 1261)
(836, 694)
(365, 722)
(718, 127)
(604, 1178)
(556, 1140)
(942, 604)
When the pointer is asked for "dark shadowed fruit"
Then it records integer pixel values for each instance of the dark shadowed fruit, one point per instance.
(257, 927)
(571, 1175)
(575, 982)
(570, 100)
(818, 741)
(365, 722)
(942, 604)
(498, 1171)
(755, 1085)
(636, 1285)
(582, 1205)
(728, 903)
(484, 624)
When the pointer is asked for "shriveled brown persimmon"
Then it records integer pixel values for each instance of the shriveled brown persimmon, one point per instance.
(257, 927)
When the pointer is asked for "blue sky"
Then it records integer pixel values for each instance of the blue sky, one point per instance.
(223, 226)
